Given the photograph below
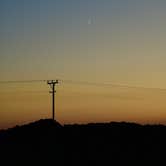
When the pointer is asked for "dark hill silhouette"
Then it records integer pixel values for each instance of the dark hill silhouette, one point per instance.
(47, 142)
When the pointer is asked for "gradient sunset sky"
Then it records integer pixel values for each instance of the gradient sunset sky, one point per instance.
(109, 41)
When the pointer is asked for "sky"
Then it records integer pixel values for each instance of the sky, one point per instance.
(106, 41)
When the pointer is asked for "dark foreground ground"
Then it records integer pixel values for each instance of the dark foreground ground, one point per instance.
(46, 142)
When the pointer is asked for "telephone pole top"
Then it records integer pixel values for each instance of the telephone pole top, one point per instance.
(52, 84)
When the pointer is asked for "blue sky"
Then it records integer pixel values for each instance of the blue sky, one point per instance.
(38, 37)
(116, 41)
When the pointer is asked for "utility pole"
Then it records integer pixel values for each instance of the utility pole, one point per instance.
(52, 84)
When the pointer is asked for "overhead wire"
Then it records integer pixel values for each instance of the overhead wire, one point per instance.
(112, 85)
(85, 83)
(21, 81)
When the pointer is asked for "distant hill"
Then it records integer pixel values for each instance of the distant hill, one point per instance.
(47, 142)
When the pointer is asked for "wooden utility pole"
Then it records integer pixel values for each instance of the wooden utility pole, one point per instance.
(52, 84)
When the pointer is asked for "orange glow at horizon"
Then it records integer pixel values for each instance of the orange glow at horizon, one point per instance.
(81, 104)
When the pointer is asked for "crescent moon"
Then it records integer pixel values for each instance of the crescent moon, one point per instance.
(89, 21)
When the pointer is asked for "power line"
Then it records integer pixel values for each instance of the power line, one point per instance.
(22, 81)
(22, 91)
(111, 84)
(86, 83)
